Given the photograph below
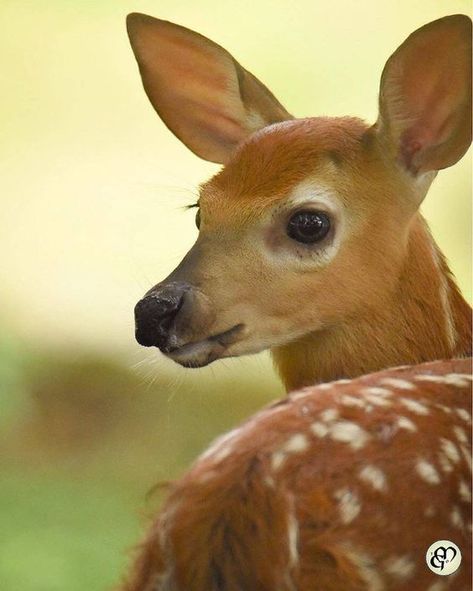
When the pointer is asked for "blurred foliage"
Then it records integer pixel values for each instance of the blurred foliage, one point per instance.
(12, 390)
(86, 443)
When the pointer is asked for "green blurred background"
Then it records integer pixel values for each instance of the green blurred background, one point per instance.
(92, 192)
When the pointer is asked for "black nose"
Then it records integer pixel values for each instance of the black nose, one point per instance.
(155, 315)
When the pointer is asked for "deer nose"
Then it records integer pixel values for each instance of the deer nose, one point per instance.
(156, 313)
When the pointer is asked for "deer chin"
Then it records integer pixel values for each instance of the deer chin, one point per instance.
(200, 353)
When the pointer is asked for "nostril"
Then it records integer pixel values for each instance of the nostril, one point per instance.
(154, 317)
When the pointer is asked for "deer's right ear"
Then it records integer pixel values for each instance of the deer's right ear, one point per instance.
(200, 92)
(425, 96)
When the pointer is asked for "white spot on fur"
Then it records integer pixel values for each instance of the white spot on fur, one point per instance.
(348, 504)
(350, 433)
(407, 424)
(295, 444)
(376, 391)
(414, 406)
(445, 463)
(374, 476)
(460, 435)
(449, 379)
(444, 408)
(325, 386)
(427, 472)
(329, 414)
(367, 568)
(400, 567)
(397, 383)
(450, 450)
(277, 460)
(348, 400)
(456, 518)
(464, 490)
(430, 378)
(465, 377)
(463, 414)
(319, 429)
(378, 401)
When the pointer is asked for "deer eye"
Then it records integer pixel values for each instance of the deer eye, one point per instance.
(197, 219)
(308, 226)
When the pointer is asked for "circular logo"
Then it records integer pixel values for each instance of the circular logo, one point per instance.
(443, 557)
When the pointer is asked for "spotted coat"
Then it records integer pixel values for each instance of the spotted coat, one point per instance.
(340, 487)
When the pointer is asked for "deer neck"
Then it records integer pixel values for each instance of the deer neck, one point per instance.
(424, 318)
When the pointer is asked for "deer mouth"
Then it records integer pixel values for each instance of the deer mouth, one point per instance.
(203, 352)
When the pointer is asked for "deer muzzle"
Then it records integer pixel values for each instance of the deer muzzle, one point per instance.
(177, 318)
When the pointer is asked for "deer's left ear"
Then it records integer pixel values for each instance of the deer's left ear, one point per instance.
(425, 96)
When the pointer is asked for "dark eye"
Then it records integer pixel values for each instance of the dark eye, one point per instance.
(197, 218)
(308, 226)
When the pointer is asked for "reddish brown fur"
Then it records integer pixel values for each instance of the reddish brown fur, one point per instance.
(224, 527)
(260, 172)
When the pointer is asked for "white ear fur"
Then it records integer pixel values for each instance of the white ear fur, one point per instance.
(201, 93)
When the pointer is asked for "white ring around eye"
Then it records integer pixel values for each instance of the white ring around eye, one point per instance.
(280, 249)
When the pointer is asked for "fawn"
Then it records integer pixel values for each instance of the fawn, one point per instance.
(311, 244)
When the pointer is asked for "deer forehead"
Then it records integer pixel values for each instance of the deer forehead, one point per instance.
(276, 158)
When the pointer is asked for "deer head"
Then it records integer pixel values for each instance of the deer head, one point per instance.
(310, 242)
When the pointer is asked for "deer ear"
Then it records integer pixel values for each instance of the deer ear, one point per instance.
(200, 92)
(425, 96)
